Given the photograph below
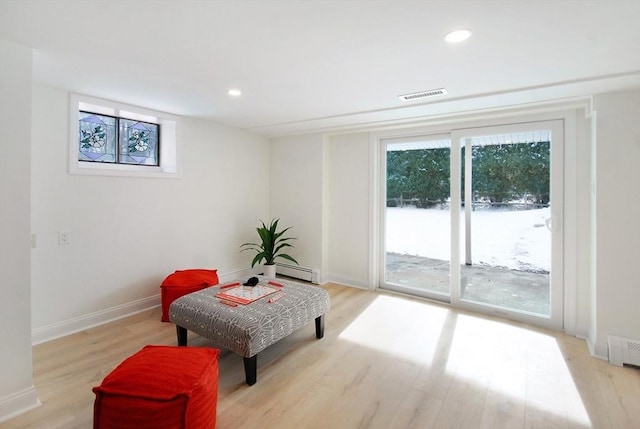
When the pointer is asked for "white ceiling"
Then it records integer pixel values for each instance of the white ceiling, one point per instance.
(326, 65)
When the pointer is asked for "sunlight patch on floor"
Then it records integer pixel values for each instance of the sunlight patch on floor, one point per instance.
(523, 365)
(400, 327)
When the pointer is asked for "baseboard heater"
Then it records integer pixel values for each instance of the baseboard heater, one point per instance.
(624, 351)
(297, 272)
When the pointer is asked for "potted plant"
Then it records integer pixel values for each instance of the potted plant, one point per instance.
(272, 243)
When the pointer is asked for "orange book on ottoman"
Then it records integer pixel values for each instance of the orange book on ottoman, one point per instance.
(182, 282)
(160, 387)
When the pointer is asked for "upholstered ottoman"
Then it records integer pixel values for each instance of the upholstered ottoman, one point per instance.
(160, 387)
(183, 282)
(248, 329)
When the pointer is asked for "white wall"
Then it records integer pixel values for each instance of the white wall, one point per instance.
(319, 185)
(128, 233)
(296, 195)
(16, 382)
(606, 299)
(349, 218)
(617, 216)
(582, 227)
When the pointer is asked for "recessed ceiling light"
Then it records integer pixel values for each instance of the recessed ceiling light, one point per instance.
(457, 36)
(234, 92)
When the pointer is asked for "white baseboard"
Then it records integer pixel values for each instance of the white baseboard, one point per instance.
(18, 403)
(600, 351)
(77, 324)
(233, 275)
(596, 350)
(346, 281)
(588, 342)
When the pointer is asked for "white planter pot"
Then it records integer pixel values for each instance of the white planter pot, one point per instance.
(269, 270)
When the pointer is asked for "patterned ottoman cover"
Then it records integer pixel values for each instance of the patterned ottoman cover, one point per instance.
(249, 329)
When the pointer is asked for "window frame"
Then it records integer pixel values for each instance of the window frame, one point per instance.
(167, 151)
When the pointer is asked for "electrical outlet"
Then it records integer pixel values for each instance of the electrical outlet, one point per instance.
(64, 237)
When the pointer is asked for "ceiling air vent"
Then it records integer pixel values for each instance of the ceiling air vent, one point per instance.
(423, 94)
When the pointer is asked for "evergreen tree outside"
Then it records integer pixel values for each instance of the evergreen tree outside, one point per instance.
(501, 174)
(418, 175)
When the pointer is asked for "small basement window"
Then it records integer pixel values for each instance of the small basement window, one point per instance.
(109, 138)
(112, 139)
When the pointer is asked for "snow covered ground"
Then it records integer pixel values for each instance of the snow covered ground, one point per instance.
(513, 239)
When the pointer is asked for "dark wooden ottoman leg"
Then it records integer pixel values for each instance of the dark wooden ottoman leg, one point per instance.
(182, 335)
(251, 369)
(320, 326)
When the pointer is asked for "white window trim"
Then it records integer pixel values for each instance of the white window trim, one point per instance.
(567, 112)
(169, 164)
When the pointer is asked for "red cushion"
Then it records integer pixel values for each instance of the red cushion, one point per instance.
(160, 387)
(183, 282)
(192, 277)
(171, 293)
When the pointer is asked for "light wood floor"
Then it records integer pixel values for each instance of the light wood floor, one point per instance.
(385, 362)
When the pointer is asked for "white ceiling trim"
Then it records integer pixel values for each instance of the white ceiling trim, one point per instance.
(567, 93)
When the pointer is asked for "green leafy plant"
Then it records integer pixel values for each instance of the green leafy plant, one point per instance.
(271, 244)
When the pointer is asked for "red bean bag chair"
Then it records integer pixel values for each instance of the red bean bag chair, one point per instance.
(183, 282)
(160, 387)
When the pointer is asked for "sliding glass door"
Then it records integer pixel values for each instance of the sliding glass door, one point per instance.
(473, 218)
(417, 212)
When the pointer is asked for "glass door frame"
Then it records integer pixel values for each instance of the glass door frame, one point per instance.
(556, 318)
(384, 141)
